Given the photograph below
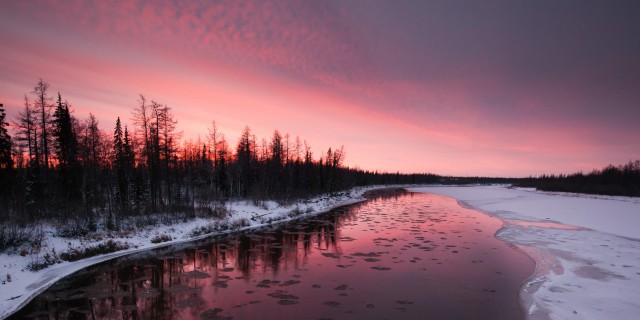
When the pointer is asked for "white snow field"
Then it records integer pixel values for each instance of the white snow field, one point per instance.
(586, 248)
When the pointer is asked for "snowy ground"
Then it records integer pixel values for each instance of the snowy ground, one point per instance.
(587, 248)
(18, 285)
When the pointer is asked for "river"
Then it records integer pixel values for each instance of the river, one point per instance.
(405, 255)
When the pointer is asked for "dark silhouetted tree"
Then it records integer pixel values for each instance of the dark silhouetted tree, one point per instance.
(26, 131)
(221, 168)
(166, 126)
(245, 159)
(120, 167)
(42, 104)
(27, 136)
(90, 155)
(65, 146)
(6, 161)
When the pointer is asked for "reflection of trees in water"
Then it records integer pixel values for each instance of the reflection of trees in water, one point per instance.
(288, 246)
(156, 285)
(136, 291)
(189, 281)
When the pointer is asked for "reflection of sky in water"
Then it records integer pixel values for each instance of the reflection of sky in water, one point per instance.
(397, 257)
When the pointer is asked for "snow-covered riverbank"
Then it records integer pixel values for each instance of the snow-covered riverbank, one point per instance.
(18, 285)
(587, 248)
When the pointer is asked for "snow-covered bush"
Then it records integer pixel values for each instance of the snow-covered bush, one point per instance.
(161, 238)
(221, 225)
(13, 236)
(242, 222)
(39, 262)
(73, 232)
(217, 226)
(81, 253)
(295, 212)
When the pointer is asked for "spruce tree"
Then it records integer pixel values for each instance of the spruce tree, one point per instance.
(65, 139)
(6, 162)
(119, 164)
(65, 147)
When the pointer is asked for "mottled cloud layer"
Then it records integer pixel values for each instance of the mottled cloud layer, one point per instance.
(453, 87)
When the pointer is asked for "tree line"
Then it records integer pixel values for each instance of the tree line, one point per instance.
(621, 180)
(55, 166)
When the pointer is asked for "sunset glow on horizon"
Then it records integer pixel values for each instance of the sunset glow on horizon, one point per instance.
(453, 88)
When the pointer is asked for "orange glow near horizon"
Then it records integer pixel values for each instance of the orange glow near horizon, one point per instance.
(329, 76)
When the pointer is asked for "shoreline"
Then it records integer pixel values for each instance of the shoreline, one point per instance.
(587, 264)
(525, 302)
(566, 257)
(540, 268)
(525, 296)
(24, 290)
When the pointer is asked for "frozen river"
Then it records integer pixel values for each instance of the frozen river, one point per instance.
(410, 255)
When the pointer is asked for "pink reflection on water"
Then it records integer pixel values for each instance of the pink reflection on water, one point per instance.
(397, 257)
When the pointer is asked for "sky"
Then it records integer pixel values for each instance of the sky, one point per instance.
(467, 88)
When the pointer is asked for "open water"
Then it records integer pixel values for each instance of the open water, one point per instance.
(404, 256)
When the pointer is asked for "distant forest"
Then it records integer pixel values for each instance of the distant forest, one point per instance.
(622, 180)
(56, 167)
